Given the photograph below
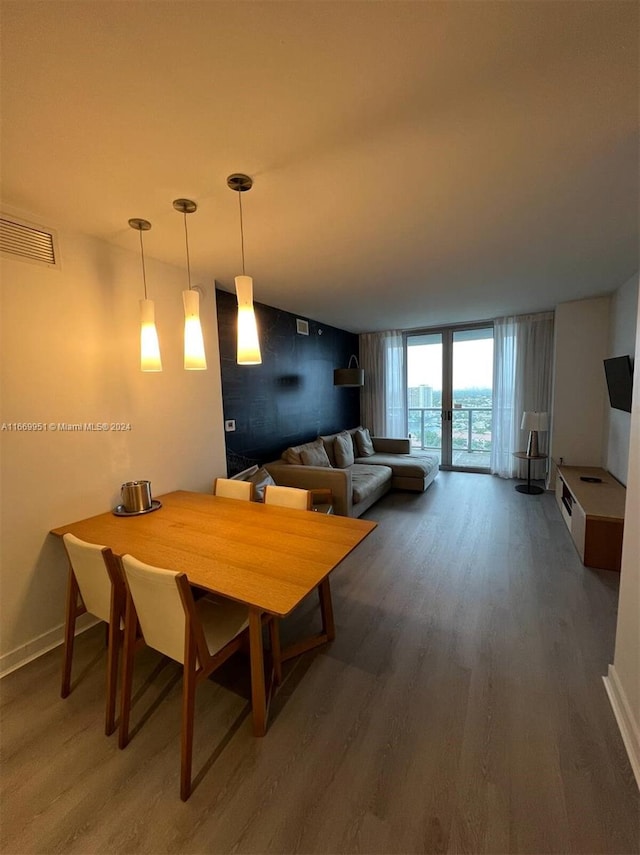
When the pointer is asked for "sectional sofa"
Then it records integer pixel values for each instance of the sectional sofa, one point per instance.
(357, 468)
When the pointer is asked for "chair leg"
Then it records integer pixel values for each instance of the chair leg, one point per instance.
(130, 625)
(69, 633)
(188, 709)
(276, 653)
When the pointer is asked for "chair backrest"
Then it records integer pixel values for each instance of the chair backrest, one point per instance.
(287, 497)
(229, 488)
(88, 562)
(159, 607)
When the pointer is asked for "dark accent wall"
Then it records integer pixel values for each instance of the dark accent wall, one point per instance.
(290, 398)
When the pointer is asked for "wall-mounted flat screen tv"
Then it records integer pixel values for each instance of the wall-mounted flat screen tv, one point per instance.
(619, 382)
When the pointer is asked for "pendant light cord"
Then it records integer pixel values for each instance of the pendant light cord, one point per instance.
(144, 272)
(186, 241)
(241, 232)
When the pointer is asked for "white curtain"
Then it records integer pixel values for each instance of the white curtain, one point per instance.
(523, 353)
(383, 399)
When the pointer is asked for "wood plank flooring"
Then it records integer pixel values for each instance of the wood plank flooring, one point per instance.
(460, 710)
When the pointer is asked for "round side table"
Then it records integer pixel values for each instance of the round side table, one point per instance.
(529, 488)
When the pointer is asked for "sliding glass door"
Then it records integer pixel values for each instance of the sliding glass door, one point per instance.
(425, 405)
(449, 394)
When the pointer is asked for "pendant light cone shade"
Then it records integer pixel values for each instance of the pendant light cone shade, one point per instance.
(248, 348)
(194, 355)
(149, 346)
(248, 352)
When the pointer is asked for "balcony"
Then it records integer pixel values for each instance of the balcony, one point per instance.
(471, 434)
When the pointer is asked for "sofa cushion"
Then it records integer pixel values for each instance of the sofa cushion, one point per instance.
(364, 446)
(327, 441)
(313, 454)
(294, 454)
(404, 465)
(365, 479)
(343, 450)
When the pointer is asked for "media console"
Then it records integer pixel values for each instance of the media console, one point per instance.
(594, 514)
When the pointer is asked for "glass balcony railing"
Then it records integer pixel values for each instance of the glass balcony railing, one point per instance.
(471, 428)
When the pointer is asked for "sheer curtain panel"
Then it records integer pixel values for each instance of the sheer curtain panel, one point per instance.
(383, 399)
(523, 353)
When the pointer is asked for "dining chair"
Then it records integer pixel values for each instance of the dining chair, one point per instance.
(95, 585)
(297, 499)
(198, 634)
(287, 497)
(230, 488)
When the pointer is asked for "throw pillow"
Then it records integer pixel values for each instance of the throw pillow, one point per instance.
(363, 442)
(292, 455)
(260, 480)
(245, 475)
(343, 450)
(327, 441)
(315, 455)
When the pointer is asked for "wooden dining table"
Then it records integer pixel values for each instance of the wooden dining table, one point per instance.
(267, 557)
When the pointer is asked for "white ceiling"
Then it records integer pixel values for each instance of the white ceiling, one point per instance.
(414, 163)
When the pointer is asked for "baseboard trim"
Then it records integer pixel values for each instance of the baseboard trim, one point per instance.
(629, 729)
(21, 656)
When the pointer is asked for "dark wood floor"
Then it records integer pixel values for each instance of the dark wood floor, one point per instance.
(460, 709)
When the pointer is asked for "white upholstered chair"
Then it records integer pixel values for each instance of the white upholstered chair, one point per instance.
(297, 499)
(200, 635)
(287, 497)
(95, 585)
(230, 488)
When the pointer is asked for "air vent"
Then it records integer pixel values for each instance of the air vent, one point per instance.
(28, 242)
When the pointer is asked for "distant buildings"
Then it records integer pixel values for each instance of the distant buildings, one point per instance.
(420, 396)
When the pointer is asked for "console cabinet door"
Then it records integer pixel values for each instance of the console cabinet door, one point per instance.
(578, 528)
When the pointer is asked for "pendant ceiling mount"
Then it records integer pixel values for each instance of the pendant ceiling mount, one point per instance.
(139, 225)
(185, 206)
(239, 182)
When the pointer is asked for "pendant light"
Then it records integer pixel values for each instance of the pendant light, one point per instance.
(194, 355)
(149, 345)
(248, 351)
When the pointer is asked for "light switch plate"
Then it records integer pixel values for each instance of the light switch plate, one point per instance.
(230, 425)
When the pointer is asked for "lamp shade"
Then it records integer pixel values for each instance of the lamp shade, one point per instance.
(248, 350)
(535, 421)
(149, 346)
(348, 377)
(194, 355)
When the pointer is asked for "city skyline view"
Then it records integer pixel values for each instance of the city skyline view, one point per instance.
(472, 365)
(470, 424)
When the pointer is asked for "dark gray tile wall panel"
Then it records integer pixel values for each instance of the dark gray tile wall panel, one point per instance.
(290, 398)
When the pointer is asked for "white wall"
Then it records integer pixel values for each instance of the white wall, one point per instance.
(579, 388)
(623, 682)
(70, 342)
(622, 338)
